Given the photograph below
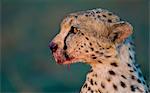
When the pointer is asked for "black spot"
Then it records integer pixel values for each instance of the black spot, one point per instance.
(86, 15)
(92, 49)
(82, 33)
(108, 48)
(143, 82)
(99, 61)
(94, 57)
(114, 64)
(96, 51)
(115, 87)
(93, 15)
(99, 91)
(91, 81)
(98, 16)
(97, 11)
(138, 80)
(86, 51)
(90, 44)
(95, 75)
(134, 69)
(133, 77)
(86, 38)
(102, 85)
(123, 76)
(128, 65)
(95, 83)
(147, 86)
(140, 74)
(137, 66)
(110, 14)
(111, 72)
(110, 21)
(104, 15)
(130, 57)
(76, 16)
(132, 43)
(101, 53)
(131, 70)
(91, 70)
(108, 79)
(129, 48)
(123, 84)
(91, 91)
(98, 44)
(132, 88)
(81, 46)
(89, 88)
(107, 56)
(85, 85)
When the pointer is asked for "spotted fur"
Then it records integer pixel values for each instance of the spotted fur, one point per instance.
(101, 39)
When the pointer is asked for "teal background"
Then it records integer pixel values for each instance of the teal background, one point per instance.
(27, 27)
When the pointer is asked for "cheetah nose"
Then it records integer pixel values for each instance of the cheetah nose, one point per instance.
(53, 46)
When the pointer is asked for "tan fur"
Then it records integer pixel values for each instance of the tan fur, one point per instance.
(99, 38)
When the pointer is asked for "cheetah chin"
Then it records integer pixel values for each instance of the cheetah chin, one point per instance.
(61, 57)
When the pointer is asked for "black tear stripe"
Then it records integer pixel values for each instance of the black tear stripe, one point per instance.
(70, 32)
(66, 55)
(65, 45)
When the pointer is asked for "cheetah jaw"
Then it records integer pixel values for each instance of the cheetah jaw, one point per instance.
(61, 57)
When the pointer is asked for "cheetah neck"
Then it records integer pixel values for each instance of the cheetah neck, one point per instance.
(100, 76)
(124, 55)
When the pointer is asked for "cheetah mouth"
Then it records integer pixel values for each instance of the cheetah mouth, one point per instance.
(61, 57)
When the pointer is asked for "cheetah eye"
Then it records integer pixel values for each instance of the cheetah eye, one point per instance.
(73, 30)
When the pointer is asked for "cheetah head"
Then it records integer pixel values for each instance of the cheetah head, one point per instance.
(86, 36)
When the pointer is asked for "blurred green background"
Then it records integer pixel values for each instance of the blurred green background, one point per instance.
(27, 27)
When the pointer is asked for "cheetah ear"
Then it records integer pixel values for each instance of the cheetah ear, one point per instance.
(120, 31)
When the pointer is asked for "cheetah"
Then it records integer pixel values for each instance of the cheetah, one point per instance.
(101, 39)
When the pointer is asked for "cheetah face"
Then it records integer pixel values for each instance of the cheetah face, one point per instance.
(84, 39)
